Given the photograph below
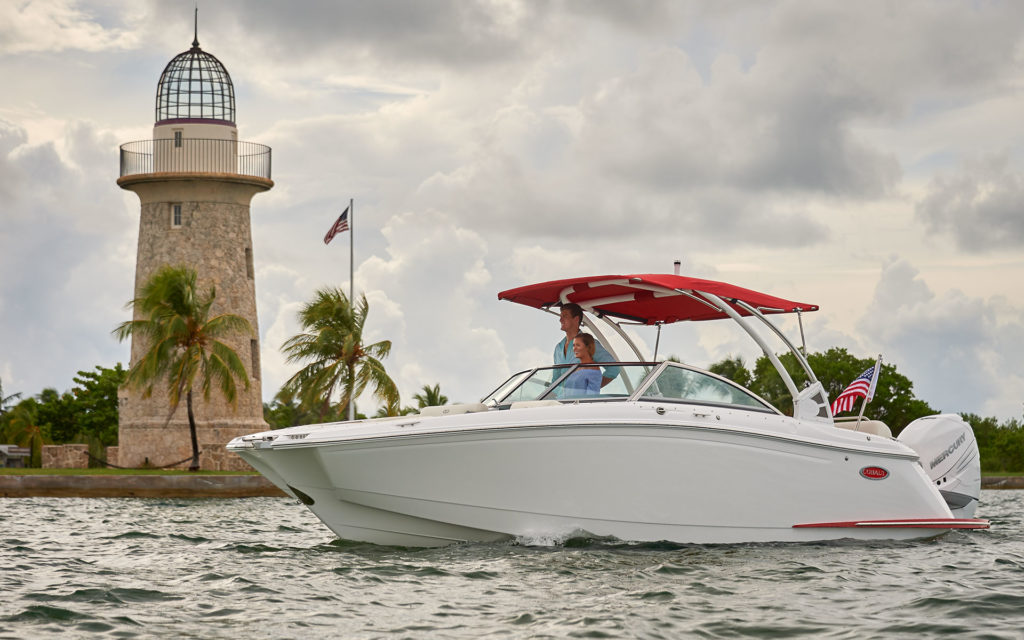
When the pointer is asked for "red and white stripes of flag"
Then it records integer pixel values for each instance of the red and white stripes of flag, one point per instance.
(337, 227)
(862, 387)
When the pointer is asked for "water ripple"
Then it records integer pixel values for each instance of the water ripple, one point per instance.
(265, 567)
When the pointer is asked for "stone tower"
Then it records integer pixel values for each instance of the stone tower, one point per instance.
(195, 181)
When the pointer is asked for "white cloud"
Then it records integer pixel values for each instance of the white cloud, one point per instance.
(67, 255)
(783, 145)
(961, 352)
(58, 25)
(982, 205)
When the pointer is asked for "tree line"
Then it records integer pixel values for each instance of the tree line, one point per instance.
(87, 414)
(1001, 445)
(185, 352)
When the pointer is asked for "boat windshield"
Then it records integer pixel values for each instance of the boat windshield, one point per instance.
(660, 382)
(678, 383)
(576, 385)
(565, 382)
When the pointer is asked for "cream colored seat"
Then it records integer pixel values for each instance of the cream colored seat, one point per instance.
(874, 427)
(453, 409)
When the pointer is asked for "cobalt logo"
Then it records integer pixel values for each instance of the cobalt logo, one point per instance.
(874, 473)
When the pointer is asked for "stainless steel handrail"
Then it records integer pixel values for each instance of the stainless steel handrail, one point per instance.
(195, 155)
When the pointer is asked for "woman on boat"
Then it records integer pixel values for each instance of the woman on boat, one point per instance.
(585, 380)
(570, 318)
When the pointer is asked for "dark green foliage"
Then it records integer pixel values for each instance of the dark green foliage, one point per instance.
(733, 369)
(57, 411)
(335, 356)
(85, 415)
(95, 400)
(287, 411)
(431, 396)
(391, 411)
(1001, 446)
(21, 425)
(894, 402)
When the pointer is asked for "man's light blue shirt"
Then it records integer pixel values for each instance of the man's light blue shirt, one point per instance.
(566, 356)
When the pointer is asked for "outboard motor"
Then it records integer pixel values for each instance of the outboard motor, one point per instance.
(949, 455)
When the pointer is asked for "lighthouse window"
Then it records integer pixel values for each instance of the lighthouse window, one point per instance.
(254, 347)
(248, 263)
(177, 137)
(175, 215)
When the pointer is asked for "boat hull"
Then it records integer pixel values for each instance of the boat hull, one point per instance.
(685, 483)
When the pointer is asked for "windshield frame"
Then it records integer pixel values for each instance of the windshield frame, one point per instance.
(654, 370)
(654, 375)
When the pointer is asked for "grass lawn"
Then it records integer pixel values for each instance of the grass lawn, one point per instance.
(119, 472)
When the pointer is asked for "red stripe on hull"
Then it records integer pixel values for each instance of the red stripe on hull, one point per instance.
(913, 523)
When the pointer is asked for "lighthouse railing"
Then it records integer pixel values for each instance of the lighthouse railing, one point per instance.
(195, 155)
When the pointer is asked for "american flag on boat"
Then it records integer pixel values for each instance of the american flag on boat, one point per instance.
(337, 227)
(862, 387)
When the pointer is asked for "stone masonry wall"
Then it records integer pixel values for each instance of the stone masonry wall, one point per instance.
(65, 456)
(220, 459)
(159, 443)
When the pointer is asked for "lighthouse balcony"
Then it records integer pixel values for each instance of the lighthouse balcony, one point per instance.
(195, 156)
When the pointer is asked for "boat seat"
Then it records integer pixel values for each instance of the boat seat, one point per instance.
(526, 404)
(874, 427)
(453, 409)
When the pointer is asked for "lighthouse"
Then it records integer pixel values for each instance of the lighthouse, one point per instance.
(195, 180)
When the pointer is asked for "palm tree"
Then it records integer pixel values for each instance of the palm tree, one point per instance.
(27, 431)
(332, 344)
(183, 343)
(286, 411)
(393, 409)
(431, 397)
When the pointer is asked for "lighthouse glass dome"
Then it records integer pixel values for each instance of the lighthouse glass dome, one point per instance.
(195, 86)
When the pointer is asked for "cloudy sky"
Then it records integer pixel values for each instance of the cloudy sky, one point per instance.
(866, 157)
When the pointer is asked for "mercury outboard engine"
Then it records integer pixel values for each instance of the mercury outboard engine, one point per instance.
(949, 455)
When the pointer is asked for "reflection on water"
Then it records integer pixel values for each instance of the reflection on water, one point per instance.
(265, 567)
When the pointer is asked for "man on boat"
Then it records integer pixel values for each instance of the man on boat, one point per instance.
(570, 317)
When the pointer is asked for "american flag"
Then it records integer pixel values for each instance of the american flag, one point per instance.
(337, 227)
(862, 386)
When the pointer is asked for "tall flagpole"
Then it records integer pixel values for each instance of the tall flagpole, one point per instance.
(351, 289)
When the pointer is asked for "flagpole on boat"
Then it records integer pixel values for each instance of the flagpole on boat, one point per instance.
(352, 282)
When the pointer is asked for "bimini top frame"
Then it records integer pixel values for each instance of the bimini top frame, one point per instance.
(656, 299)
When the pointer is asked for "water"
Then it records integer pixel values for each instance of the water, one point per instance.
(266, 568)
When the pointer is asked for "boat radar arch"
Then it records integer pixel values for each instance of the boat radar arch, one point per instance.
(660, 299)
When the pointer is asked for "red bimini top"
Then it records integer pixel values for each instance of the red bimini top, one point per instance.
(650, 298)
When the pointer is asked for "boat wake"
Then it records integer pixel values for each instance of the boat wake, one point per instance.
(575, 538)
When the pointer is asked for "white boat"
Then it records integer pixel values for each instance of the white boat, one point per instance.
(664, 452)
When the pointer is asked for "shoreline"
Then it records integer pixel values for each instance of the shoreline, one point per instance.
(1002, 482)
(184, 486)
(141, 486)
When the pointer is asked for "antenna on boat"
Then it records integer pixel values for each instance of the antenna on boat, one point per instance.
(675, 269)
